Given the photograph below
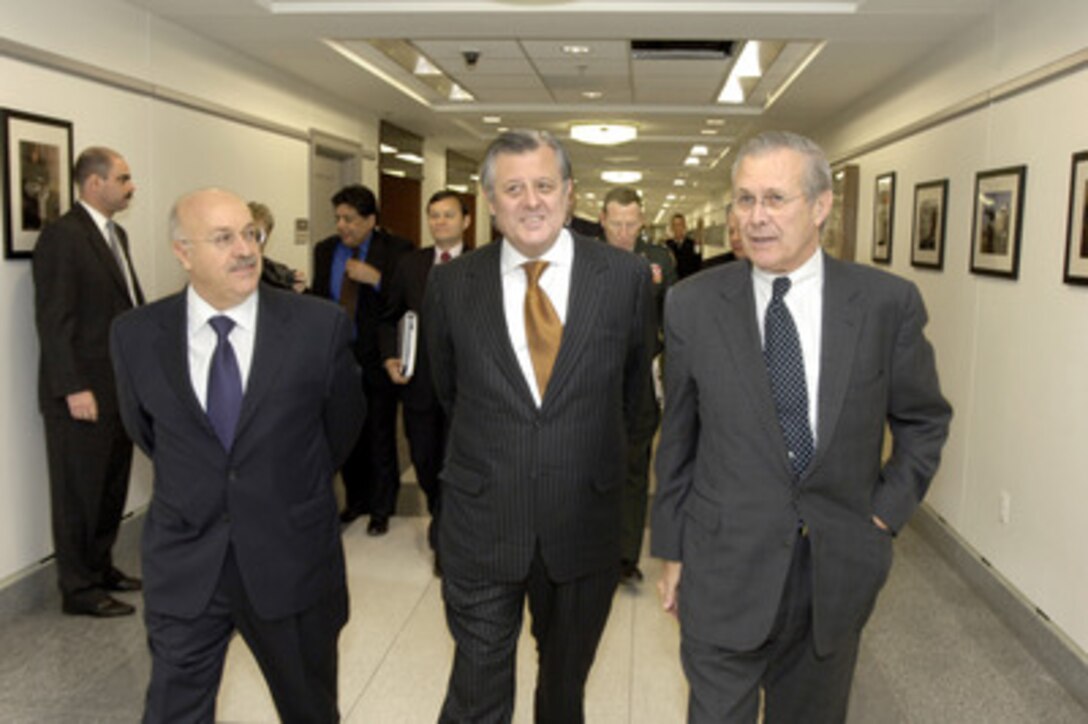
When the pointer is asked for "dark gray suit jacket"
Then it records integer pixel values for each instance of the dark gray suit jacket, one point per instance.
(78, 290)
(726, 504)
(271, 496)
(516, 476)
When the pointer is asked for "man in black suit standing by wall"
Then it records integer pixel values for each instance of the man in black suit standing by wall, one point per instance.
(83, 278)
(774, 510)
(540, 351)
(424, 422)
(246, 401)
(349, 268)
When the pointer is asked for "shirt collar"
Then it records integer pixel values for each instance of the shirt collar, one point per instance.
(561, 254)
(244, 314)
(454, 251)
(100, 219)
(811, 270)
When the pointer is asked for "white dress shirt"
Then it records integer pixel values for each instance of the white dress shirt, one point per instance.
(202, 339)
(805, 301)
(454, 252)
(555, 281)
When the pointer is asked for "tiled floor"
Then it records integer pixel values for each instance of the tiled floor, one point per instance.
(932, 653)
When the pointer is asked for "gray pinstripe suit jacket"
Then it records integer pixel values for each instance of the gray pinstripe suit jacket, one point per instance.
(516, 476)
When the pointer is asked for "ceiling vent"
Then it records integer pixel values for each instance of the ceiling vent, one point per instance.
(718, 50)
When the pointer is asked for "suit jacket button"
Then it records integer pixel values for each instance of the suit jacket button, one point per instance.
(232, 476)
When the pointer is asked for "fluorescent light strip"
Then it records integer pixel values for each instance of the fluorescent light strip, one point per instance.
(794, 75)
(361, 7)
(366, 65)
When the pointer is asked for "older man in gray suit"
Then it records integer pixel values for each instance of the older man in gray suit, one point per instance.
(540, 350)
(774, 511)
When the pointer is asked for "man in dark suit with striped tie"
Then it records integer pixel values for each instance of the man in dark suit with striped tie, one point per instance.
(83, 278)
(540, 351)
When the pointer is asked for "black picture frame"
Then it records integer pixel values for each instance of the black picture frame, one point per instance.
(930, 222)
(37, 184)
(997, 221)
(883, 217)
(1076, 245)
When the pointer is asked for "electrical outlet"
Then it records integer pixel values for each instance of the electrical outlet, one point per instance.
(1006, 507)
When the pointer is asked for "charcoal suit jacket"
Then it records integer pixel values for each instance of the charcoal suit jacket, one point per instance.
(270, 497)
(727, 504)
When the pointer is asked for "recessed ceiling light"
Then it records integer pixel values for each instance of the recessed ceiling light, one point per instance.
(731, 91)
(691, 161)
(576, 49)
(679, 182)
(699, 150)
(492, 119)
(592, 95)
(603, 134)
(715, 121)
(709, 132)
(503, 129)
(410, 158)
(386, 148)
(425, 67)
(621, 177)
(670, 197)
(748, 63)
(457, 93)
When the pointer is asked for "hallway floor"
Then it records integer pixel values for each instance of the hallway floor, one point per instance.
(932, 653)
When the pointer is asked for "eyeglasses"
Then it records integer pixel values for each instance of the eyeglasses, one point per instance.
(223, 239)
(772, 202)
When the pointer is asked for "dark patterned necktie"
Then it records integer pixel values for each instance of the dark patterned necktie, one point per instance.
(224, 400)
(786, 369)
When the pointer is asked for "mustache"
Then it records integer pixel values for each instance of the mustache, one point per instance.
(246, 262)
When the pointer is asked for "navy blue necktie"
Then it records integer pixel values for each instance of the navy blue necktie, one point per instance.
(224, 383)
(786, 369)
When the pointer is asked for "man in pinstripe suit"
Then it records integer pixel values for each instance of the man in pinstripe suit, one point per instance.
(535, 464)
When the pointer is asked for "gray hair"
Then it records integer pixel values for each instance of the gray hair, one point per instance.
(817, 175)
(518, 142)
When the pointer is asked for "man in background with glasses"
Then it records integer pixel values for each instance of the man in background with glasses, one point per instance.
(247, 399)
(774, 511)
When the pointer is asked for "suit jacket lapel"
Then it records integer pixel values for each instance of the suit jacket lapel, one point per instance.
(100, 247)
(268, 353)
(172, 347)
(736, 315)
(585, 297)
(486, 277)
(842, 322)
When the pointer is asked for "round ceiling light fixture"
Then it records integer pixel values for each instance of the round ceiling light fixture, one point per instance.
(603, 134)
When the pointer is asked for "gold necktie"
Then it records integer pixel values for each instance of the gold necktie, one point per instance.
(543, 329)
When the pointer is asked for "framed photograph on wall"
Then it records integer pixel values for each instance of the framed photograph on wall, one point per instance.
(995, 231)
(1076, 248)
(840, 231)
(928, 228)
(883, 217)
(37, 178)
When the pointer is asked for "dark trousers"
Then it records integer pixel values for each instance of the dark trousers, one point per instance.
(798, 685)
(89, 465)
(485, 621)
(634, 499)
(425, 429)
(371, 474)
(297, 655)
